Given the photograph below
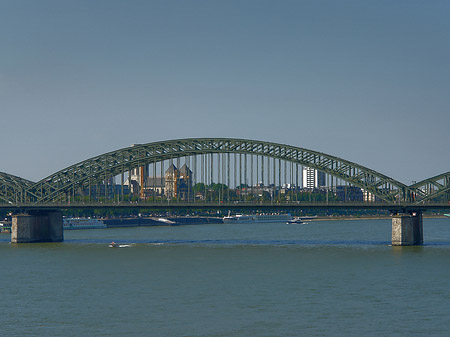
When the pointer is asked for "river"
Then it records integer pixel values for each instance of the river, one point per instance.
(323, 278)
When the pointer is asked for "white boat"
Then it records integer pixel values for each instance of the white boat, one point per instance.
(167, 221)
(307, 217)
(82, 223)
(301, 219)
(295, 221)
(241, 218)
(116, 245)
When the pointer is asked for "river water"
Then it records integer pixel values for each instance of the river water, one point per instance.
(323, 278)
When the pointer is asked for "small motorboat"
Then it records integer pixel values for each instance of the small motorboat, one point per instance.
(116, 245)
(295, 221)
(167, 221)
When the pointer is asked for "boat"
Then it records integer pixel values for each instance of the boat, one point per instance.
(116, 245)
(82, 223)
(307, 217)
(295, 220)
(166, 221)
(258, 218)
(447, 215)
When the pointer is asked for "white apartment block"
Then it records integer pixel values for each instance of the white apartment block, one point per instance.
(313, 178)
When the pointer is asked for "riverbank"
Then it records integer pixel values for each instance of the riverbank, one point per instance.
(160, 221)
(368, 217)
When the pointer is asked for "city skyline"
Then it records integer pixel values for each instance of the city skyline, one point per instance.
(364, 81)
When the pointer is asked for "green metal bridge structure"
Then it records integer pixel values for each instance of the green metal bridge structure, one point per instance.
(244, 173)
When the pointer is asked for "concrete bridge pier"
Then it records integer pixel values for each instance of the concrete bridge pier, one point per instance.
(407, 229)
(37, 226)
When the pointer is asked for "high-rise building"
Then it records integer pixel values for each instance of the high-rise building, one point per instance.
(313, 178)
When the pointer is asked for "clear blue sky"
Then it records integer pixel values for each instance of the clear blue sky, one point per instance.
(368, 81)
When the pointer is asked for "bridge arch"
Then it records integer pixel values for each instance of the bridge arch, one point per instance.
(12, 188)
(432, 188)
(99, 168)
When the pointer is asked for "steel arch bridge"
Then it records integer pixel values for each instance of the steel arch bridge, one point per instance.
(96, 170)
(12, 187)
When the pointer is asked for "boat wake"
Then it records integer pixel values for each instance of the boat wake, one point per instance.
(116, 245)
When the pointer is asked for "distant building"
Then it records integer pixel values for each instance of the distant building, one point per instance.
(110, 190)
(178, 183)
(367, 196)
(171, 182)
(137, 178)
(133, 185)
(349, 193)
(184, 183)
(154, 186)
(313, 178)
(175, 183)
(370, 197)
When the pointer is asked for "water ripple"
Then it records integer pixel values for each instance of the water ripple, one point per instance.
(228, 242)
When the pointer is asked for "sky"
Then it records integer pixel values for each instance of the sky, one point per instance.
(367, 81)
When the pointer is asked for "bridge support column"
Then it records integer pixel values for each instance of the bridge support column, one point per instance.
(407, 230)
(37, 226)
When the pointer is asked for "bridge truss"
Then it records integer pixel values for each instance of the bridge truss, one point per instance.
(428, 189)
(12, 188)
(230, 163)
